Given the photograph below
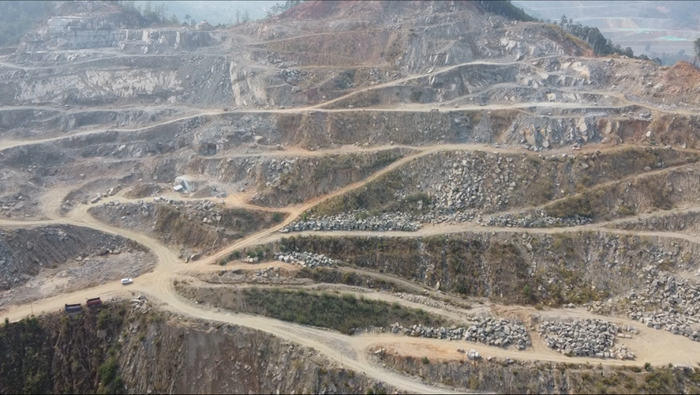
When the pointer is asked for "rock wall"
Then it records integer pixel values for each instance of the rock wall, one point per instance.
(516, 377)
(511, 267)
(120, 348)
(199, 227)
(108, 30)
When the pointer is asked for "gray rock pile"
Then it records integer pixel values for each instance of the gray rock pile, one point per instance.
(667, 303)
(469, 182)
(351, 221)
(538, 219)
(18, 205)
(491, 331)
(276, 169)
(584, 338)
(461, 216)
(291, 76)
(498, 332)
(306, 259)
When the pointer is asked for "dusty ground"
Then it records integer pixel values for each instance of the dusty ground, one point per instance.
(77, 275)
(242, 141)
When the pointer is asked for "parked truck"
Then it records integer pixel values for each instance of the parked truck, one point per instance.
(93, 302)
(73, 308)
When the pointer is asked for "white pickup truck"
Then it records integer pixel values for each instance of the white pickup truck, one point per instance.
(127, 281)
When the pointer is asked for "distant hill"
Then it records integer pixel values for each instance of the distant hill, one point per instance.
(19, 17)
(652, 28)
(215, 12)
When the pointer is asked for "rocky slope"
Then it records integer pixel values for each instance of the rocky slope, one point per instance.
(25, 252)
(131, 348)
(461, 169)
(512, 267)
(508, 376)
(199, 227)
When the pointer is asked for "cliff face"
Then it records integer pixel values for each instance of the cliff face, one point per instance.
(96, 24)
(132, 349)
(548, 378)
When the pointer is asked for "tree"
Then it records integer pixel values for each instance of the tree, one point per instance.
(160, 12)
(238, 17)
(274, 10)
(246, 17)
(147, 9)
(696, 46)
(280, 8)
(563, 20)
(188, 17)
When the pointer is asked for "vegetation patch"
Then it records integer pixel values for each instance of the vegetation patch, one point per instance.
(342, 313)
(61, 354)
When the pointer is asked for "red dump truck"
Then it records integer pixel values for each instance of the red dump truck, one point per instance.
(93, 302)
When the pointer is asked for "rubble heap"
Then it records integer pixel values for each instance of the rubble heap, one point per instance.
(352, 221)
(306, 259)
(584, 338)
(491, 331)
(498, 332)
(538, 219)
(667, 303)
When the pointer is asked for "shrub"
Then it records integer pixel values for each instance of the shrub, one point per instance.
(109, 380)
(473, 383)
(425, 360)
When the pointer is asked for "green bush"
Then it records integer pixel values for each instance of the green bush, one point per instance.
(110, 382)
(507, 9)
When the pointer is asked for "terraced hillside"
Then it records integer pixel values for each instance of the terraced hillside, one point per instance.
(366, 179)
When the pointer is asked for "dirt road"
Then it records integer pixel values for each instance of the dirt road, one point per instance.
(656, 347)
(158, 285)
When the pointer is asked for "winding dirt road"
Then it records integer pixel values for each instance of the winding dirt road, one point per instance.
(656, 347)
